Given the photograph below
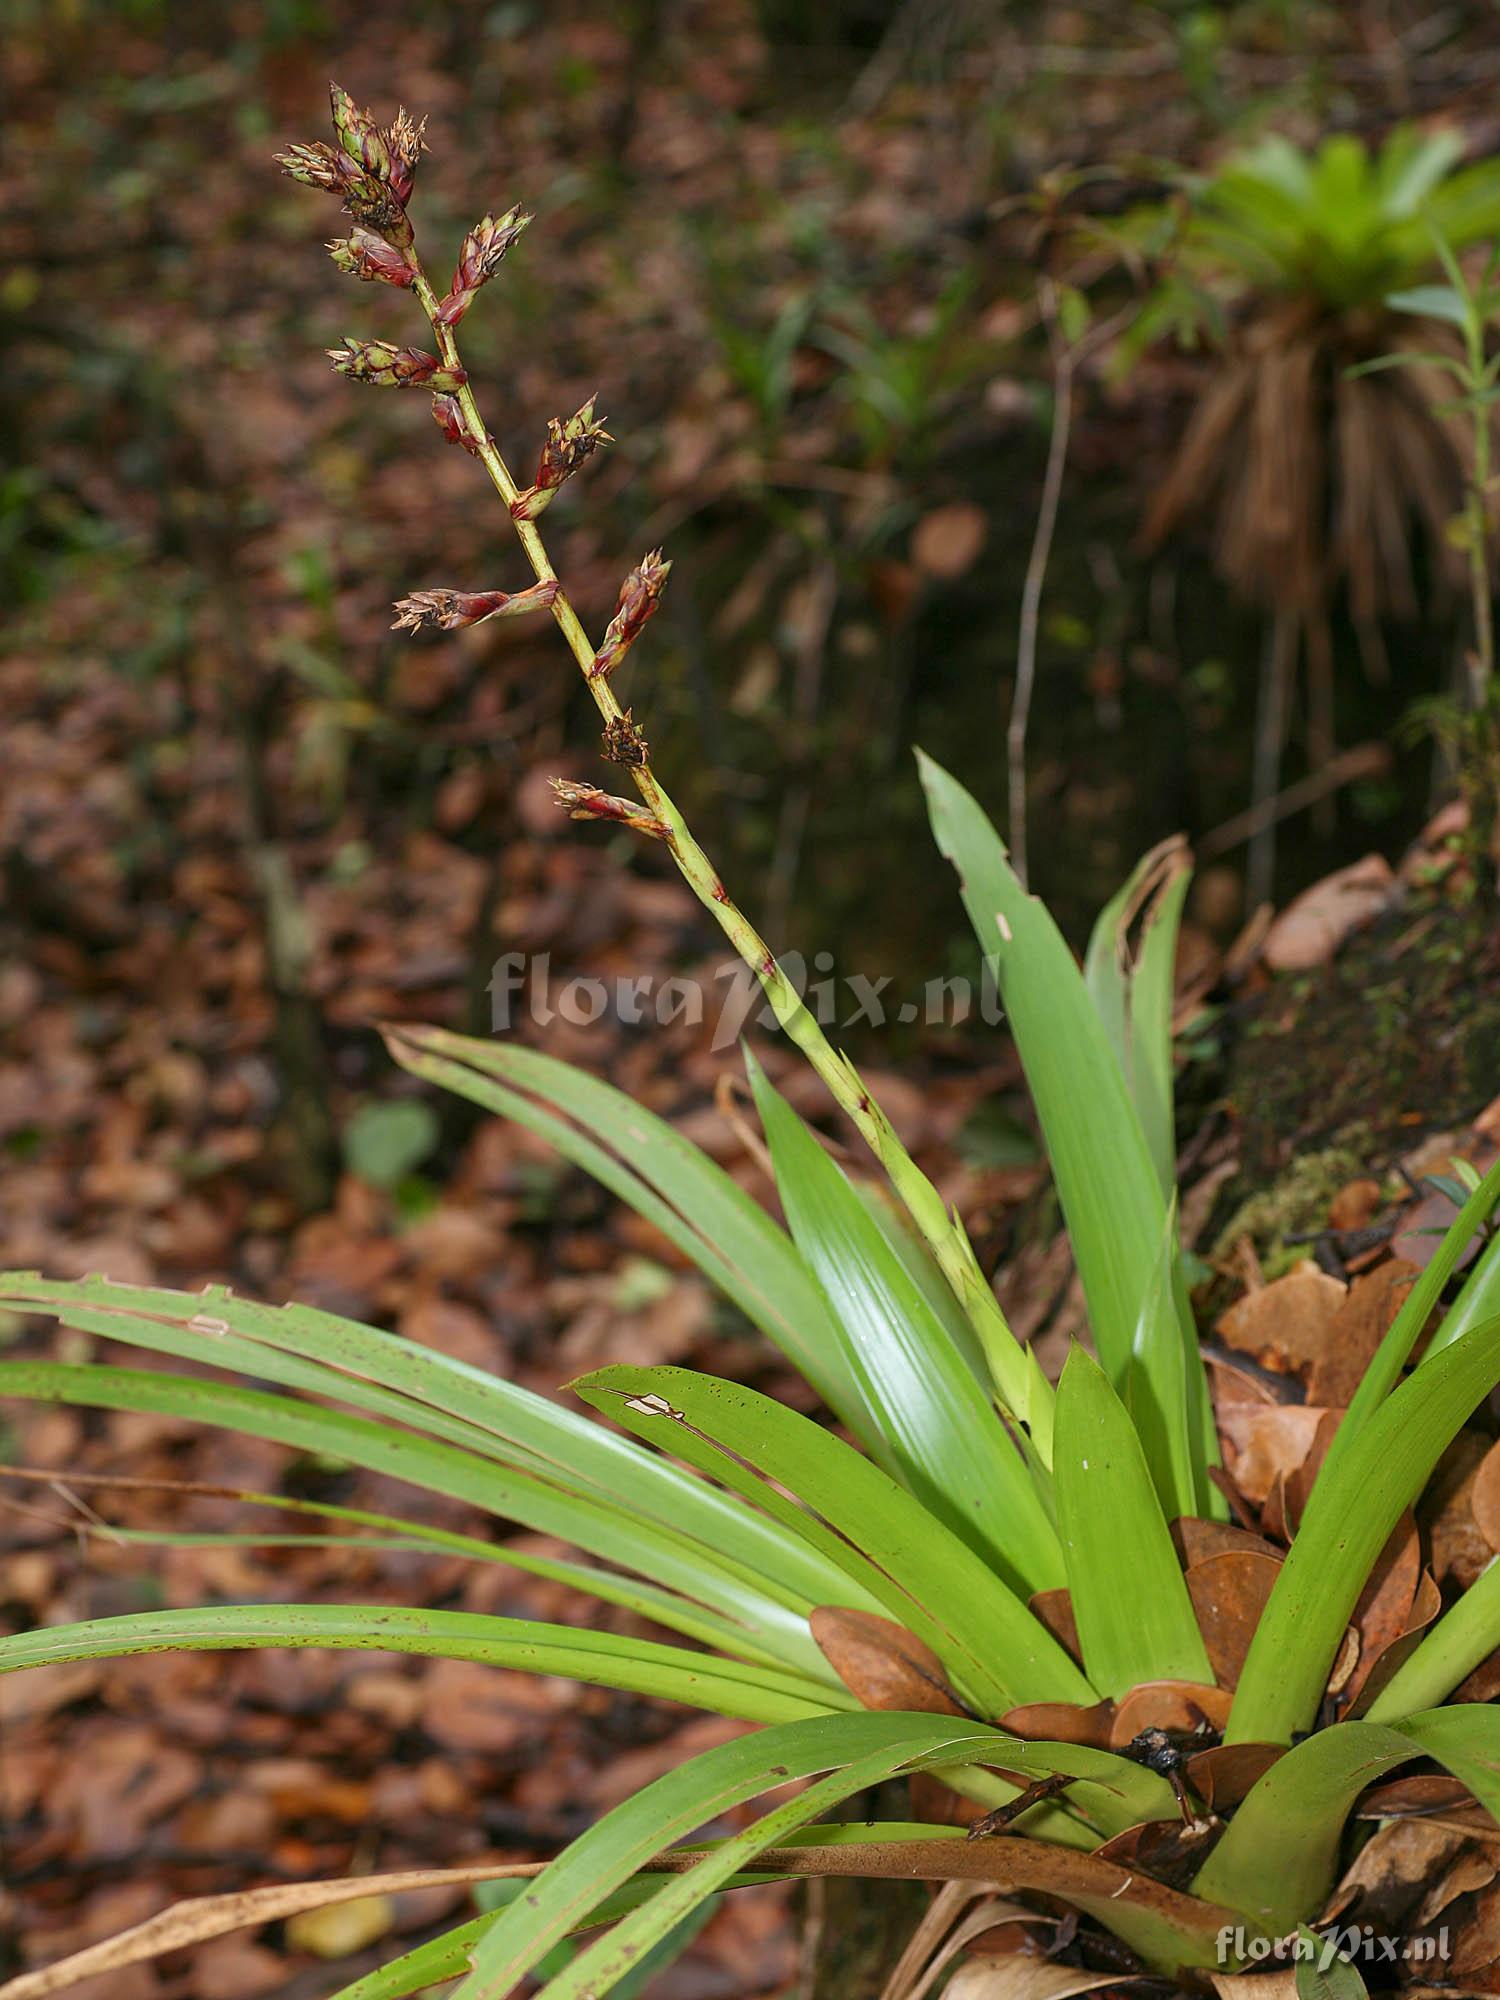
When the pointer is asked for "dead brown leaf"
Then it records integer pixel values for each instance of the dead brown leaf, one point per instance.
(1229, 1593)
(1484, 1496)
(1355, 1204)
(1458, 1548)
(1265, 1442)
(1177, 1706)
(1024, 1977)
(947, 540)
(1383, 1612)
(1310, 930)
(1196, 1540)
(881, 1663)
(1288, 1324)
(1358, 1327)
(1224, 1775)
(1055, 1609)
(1061, 1722)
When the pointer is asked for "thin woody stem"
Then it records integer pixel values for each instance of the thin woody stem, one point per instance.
(1019, 1382)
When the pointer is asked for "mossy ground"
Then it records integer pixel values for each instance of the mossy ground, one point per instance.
(1340, 1072)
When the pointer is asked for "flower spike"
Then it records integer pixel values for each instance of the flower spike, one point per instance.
(639, 596)
(478, 261)
(406, 145)
(359, 135)
(569, 443)
(393, 367)
(582, 801)
(371, 259)
(452, 610)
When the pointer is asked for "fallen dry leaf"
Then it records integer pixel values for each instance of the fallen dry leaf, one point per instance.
(1404, 1798)
(947, 540)
(1055, 1609)
(1196, 1540)
(1383, 1613)
(1458, 1548)
(1355, 1204)
(1265, 1442)
(1286, 1325)
(1310, 930)
(1024, 1977)
(1484, 1496)
(1358, 1326)
(1165, 1849)
(1426, 1606)
(1223, 1775)
(235, 1968)
(1423, 1227)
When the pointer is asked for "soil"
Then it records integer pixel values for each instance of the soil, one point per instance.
(1340, 1072)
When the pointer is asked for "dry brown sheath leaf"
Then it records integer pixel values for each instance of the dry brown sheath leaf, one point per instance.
(881, 1663)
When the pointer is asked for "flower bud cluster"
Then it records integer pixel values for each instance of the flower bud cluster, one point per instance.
(452, 610)
(478, 261)
(371, 170)
(640, 595)
(392, 367)
(570, 441)
(581, 801)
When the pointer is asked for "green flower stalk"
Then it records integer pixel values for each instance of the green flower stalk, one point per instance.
(1019, 1384)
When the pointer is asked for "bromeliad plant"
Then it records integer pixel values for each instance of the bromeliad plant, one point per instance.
(1033, 1594)
(1321, 480)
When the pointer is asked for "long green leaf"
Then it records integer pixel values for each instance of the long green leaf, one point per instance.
(1406, 1328)
(1349, 1517)
(1277, 1858)
(1478, 1299)
(1465, 1739)
(1464, 1636)
(1131, 986)
(1135, 1618)
(857, 1751)
(773, 1618)
(450, 1956)
(998, 1654)
(389, 1376)
(393, 1532)
(675, 1805)
(1106, 1179)
(663, 1176)
(939, 1432)
(640, 1666)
